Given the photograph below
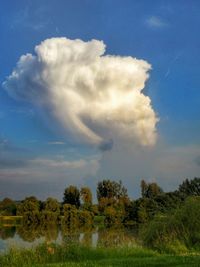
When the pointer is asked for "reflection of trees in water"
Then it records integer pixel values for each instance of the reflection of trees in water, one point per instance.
(75, 235)
(70, 234)
(7, 232)
(29, 232)
(112, 237)
(50, 231)
(87, 239)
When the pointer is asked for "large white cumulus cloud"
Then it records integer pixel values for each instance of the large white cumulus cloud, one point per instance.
(92, 95)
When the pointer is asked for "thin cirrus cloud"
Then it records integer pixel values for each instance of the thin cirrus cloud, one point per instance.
(30, 18)
(43, 177)
(49, 168)
(56, 143)
(92, 96)
(156, 22)
(76, 164)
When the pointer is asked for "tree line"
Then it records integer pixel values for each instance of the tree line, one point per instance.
(114, 205)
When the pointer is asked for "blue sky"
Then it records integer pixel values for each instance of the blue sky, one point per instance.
(163, 33)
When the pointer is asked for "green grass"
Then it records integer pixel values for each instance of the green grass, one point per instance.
(159, 261)
(80, 256)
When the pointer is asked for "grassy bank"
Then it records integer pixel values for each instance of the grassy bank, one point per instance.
(75, 256)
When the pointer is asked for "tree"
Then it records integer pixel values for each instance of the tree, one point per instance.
(70, 216)
(113, 201)
(30, 210)
(111, 189)
(51, 211)
(86, 197)
(7, 207)
(113, 216)
(85, 218)
(190, 187)
(150, 190)
(29, 204)
(144, 187)
(72, 196)
(51, 204)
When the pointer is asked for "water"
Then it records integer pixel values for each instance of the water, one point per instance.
(32, 235)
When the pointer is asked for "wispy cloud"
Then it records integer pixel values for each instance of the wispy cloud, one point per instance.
(12, 156)
(156, 22)
(6, 162)
(55, 173)
(56, 143)
(75, 164)
(21, 166)
(6, 146)
(31, 18)
(173, 61)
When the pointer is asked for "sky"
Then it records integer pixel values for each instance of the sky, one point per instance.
(98, 89)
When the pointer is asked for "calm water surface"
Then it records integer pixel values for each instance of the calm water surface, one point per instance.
(29, 236)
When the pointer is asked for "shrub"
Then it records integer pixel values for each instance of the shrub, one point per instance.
(176, 231)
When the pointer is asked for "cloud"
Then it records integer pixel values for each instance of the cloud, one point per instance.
(11, 163)
(45, 177)
(7, 147)
(56, 143)
(167, 165)
(42, 167)
(156, 22)
(12, 156)
(76, 164)
(105, 146)
(94, 97)
(30, 18)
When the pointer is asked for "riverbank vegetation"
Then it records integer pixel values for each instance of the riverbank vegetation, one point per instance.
(165, 223)
(57, 256)
(113, 204)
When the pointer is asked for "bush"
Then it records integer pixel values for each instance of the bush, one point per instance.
(175, 232)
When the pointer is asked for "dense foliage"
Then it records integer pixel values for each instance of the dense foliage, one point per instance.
(114, 204)
(176, 231)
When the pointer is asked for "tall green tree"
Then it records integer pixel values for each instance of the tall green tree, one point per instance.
(72, 196)
(51, 211)
(70, 216)
(190, 187)
(30, 210)
(113, 199)
(29, 204)
(111, 189)
(86, 197)
(52, 204)
(150, 190)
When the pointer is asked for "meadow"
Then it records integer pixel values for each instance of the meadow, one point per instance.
(75, 256)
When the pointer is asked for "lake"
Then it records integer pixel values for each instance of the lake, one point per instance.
(31, 235)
